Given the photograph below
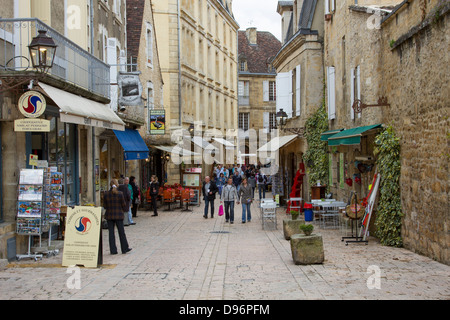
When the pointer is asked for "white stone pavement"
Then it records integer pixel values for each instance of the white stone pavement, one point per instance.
(180, 255)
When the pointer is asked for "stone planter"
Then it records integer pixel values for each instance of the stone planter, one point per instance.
(307, 249)
(291, 227)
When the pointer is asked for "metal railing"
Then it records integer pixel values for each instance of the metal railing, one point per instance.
(72, 64)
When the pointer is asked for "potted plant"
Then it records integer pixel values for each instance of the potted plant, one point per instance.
(294, 214)
(307, 229)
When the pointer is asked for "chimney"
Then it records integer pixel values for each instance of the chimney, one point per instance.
(251, 35)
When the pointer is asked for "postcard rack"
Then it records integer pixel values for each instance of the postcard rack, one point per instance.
(30, 206)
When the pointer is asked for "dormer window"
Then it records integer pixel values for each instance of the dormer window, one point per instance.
(242, 65)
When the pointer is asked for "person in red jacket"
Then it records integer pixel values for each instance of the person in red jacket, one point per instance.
(114, 204)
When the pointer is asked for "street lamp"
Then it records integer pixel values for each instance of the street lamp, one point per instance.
(42, 51)
(281, 118)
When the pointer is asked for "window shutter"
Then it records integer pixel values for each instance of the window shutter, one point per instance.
(352, 93)
(284, 92)
(266, 122)
(266, 90)
(241, 88)
(358, 85)
(333, 5)
(331, 93)
(327, 7)
(297, 90)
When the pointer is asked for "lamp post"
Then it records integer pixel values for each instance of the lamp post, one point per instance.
(281, 118)
(42, 51)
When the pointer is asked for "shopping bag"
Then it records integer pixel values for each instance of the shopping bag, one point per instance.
(221, 210)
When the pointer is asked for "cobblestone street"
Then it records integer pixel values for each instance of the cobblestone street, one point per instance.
(180, 255)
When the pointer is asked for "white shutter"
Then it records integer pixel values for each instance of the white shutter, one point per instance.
(284, 92)
(352, 93)
(358, 85)
(266, 90)
(266, 122)
(327, 7)
(333, 5)
(331, 93)
(240, 88)
(297, 90)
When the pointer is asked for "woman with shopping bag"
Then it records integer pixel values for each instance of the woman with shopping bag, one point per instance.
(228, 196)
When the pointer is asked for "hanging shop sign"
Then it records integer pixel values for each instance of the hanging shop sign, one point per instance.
(82, 236)
(130, 89)
(31, 125)
(32, 104)
(157, 122)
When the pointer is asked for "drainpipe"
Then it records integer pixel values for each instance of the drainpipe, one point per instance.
(180, 123)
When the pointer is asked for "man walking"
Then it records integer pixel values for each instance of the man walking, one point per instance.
(209, 190)
(123, 187)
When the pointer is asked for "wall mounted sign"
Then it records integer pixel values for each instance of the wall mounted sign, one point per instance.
(157, 121)
(32, 125)
(130, 89)
(32, 104)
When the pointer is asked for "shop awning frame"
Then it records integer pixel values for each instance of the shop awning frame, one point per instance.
(351, 136)
(80, 110)
(276, 143)
(327, 134)
(132, 143)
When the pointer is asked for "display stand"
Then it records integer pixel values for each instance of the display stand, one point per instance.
(354, 238)
(53, 193)
(30, 207)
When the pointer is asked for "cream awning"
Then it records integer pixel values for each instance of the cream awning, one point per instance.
(276, 143)
(79, 110)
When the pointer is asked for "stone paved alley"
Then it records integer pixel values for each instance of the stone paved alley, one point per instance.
(180, 255)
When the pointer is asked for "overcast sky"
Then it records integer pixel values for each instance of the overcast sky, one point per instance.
(261, 14)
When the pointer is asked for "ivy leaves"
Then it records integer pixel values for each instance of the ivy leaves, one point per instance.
(316, 157)
(389, 216)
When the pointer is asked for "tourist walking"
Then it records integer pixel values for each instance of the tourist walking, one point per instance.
(251, 179)
(221, 181)
(261, 180)
(228, 196)
(209, 191)
(114, 204)
(237, 180)
(246, 197)
(154, 190)
(123, 187)
(135, 197)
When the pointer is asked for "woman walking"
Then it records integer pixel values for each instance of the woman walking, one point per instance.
(229, 194)
(114, 204)
(246, 197)
(154, 190)
(221, 181)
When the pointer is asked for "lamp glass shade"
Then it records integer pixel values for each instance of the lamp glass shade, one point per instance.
(42, 51)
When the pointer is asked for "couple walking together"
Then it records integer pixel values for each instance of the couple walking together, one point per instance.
(228, 196)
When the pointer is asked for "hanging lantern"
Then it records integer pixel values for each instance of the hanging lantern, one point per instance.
(42, 51)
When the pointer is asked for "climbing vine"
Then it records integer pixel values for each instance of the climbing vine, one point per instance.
(389, 214)
(316, 157)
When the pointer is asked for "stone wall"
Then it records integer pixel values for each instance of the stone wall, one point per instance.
(415, 79)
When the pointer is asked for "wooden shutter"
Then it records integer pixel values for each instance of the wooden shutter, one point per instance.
(266, 90)
(352, 93)
(331, 93)
(284, 92)
(297, 91)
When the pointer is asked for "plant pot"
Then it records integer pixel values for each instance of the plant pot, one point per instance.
(294, 216)
(307, 249)
(307, 233)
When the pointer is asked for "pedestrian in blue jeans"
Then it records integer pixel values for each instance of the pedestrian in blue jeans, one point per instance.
(246, 197)
(228, 196)
(261, 180)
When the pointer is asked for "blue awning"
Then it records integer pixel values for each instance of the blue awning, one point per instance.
(133, 144)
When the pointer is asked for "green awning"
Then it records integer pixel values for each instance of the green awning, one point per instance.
(325, 135)
(350, 136)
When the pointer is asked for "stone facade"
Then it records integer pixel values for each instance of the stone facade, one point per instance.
(415, 70)
(301, 60)
(197, 45)
(394, 53)
(257, 88)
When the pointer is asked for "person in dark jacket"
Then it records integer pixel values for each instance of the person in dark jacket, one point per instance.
(123, 187)
(209, 191)
(115, 206)
(154, 190)
(237, 180)
(135, 196)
